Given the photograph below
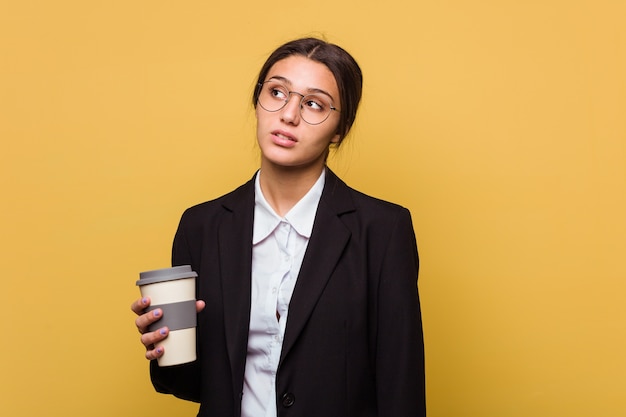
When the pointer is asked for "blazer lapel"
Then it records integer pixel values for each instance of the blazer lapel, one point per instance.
(328, 239)
(235, 252)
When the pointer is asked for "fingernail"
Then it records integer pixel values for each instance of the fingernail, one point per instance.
(144, 300)
(157, 313)
(159, 350)
(163, 331)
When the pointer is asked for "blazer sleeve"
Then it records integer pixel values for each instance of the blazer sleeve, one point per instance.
(400, 377)
(183, 381)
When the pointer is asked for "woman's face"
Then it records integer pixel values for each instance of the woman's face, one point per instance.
(285, 139)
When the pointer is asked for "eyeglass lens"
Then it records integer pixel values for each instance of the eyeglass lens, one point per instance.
(314, 108)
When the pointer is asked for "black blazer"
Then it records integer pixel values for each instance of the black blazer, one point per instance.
(353, 344)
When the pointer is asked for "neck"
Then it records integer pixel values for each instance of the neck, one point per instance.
(283, 187)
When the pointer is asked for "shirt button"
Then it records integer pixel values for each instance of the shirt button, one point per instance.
(288, 399)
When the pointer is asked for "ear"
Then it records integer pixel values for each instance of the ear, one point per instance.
(336, 138)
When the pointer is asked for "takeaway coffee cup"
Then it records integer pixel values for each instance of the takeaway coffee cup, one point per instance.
(173, 290)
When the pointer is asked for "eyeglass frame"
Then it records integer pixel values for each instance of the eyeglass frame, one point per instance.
(289, 93)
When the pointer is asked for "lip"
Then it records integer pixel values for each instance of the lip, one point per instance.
(283, 138)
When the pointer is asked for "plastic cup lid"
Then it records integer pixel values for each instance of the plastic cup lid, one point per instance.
(166, 274)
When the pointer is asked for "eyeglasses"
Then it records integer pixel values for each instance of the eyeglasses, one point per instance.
(314, 108)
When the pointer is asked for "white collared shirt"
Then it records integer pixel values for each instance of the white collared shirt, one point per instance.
(278, 246)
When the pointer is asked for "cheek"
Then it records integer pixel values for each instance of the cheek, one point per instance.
(330, 136)
(258, 120)
(334, 135)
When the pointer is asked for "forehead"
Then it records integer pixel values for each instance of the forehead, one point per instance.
(304, 74)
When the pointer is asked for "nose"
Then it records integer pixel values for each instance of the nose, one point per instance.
(291, 112)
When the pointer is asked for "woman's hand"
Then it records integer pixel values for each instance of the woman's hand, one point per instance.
(149, 339)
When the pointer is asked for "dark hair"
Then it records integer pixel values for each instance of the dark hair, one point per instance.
(343, 67)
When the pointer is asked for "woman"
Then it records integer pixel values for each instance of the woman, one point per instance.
(308, 288)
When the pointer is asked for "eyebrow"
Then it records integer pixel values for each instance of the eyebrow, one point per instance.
(309, 90)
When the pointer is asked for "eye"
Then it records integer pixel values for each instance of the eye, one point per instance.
(314, 103)
(278, 92)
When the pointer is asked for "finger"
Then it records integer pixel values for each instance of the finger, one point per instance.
(200, 305)
(145, 320)
(154, 353)
(151, 338)
(139, 305)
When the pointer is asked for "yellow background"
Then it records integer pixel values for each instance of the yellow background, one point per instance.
(500, 124)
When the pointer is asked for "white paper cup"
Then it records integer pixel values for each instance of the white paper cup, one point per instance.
(173, 290)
